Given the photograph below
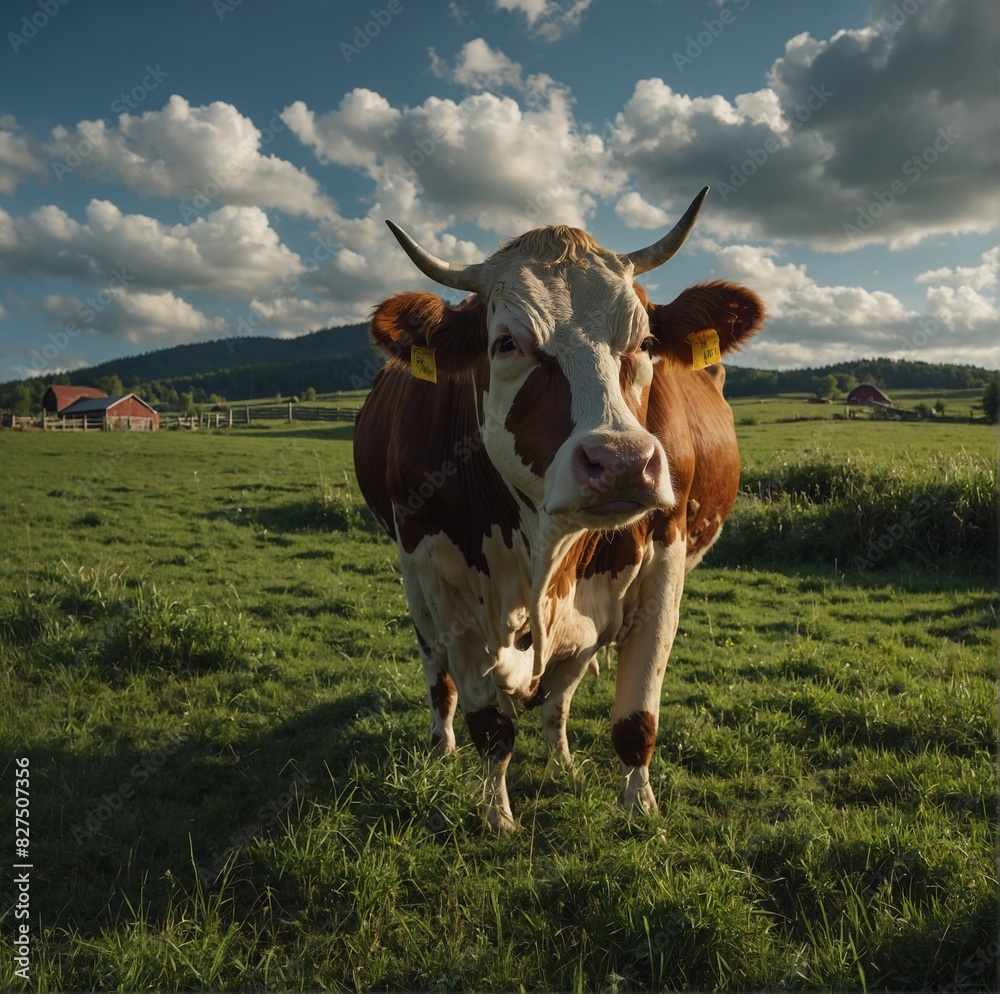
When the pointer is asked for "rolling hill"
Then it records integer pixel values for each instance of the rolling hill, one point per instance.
(332, 359)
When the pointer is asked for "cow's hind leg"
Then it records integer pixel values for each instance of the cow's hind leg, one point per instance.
(443, 699)
(493, 734)
(441, 693)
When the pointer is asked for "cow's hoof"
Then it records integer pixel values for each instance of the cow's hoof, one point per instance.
(500, 820)
(561, 764)
(639, 802)
(442, 745)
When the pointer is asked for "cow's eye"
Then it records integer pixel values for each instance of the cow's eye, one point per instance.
(504, 345)
(646, 345)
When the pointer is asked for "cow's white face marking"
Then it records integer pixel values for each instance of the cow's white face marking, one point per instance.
(558, 336)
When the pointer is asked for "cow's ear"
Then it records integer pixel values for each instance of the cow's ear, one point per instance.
(457, 334)
(735, 313)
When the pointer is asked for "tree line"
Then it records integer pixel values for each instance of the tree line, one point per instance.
(839, 379)
(185, 377)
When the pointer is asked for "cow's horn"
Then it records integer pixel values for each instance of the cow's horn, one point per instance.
(447, 273)
(656, 254)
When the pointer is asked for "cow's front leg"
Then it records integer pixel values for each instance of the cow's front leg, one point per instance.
(493, 735)
(558, 688)
(642, 661)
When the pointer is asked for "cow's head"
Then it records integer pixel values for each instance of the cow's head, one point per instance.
(567, 345)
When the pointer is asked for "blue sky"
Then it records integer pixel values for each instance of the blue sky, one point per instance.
(179, 172)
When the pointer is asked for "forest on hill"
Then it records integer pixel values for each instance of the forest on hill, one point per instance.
(840, 378)
(241, 368)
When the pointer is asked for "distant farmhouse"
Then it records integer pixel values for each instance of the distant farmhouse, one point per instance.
(879, 403)
(87, 407)
(865, 395)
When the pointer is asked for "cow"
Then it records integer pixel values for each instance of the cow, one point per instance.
(551, 456)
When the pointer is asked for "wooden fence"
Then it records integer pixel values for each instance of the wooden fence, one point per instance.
(229, 418)
(245, 414)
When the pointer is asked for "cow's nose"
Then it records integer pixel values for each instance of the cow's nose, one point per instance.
(630, 464)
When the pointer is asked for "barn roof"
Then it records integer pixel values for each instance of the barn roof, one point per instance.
(91, 405)
(867, 393)
(65, 395)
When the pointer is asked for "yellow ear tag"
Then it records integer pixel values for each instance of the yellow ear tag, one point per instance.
(422, 364)
(705, 349)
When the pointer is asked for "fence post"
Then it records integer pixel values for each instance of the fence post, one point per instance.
(289, 410)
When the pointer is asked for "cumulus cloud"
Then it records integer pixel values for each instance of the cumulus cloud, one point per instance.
(20, 156)
(635, 212)
(869, 136)
(963, 300)
(210, 155)
(810, 323)
(479, 67)
(486, 158)
(233, 250)
(155, 319)
(548, 19)
(981, 277)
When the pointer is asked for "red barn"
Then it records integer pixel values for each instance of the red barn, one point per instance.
(867, 395)
(57, 398)
(126, 412)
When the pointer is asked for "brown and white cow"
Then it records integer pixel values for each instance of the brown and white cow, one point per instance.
(549, 491)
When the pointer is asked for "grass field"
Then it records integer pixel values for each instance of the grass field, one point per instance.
(207, 662)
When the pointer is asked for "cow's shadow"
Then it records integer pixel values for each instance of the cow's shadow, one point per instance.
(120, 828)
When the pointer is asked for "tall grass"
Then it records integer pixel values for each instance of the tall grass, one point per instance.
(863, 513)
(226, 720)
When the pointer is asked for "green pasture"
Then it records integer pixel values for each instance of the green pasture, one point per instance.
(797, 407)
(206, 658)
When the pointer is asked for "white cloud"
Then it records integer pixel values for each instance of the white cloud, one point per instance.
(964, 301)
(548, 19)
(792, 294)
(233, 250)
(484, 159)
(635, 212)
(155, 319)
(812, 324)
(209, 155)
(963, 309)
(479, 67)
(813, 155)
(981, 277)
(20, 157)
